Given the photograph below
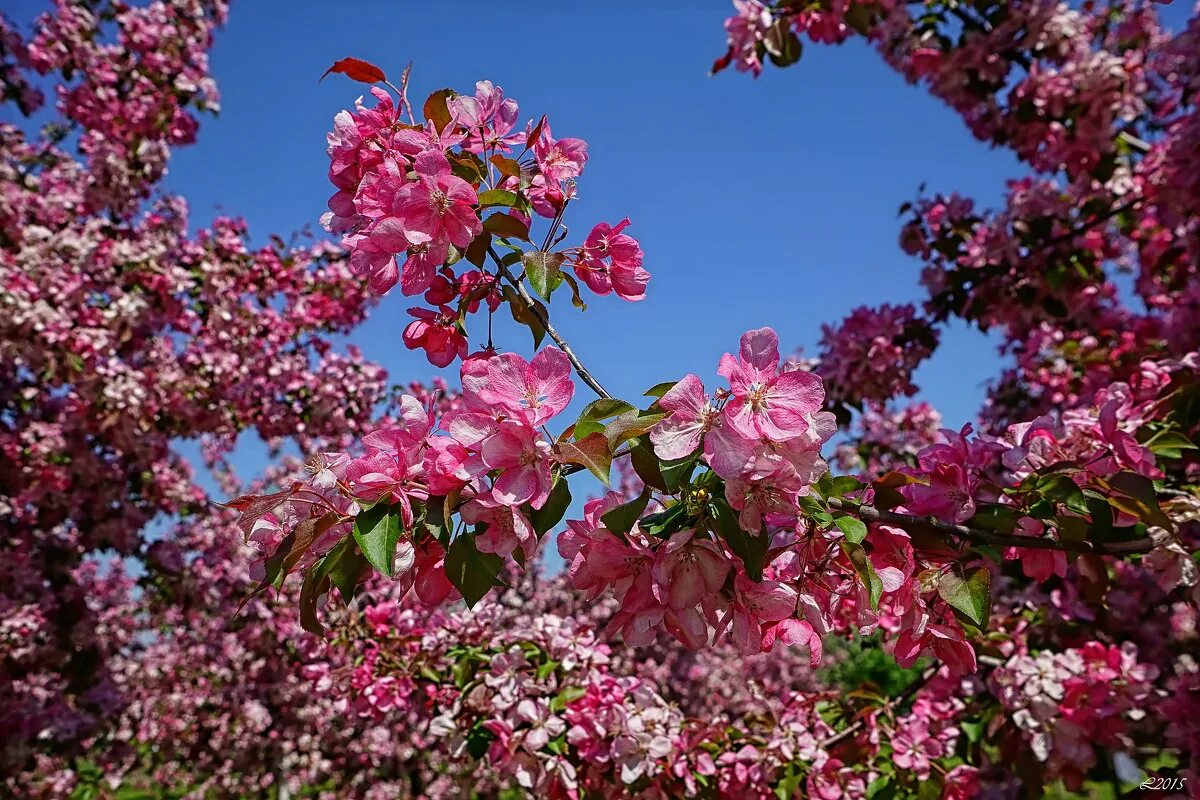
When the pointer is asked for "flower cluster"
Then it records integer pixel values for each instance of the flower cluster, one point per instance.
(1068, 703)
(871, 355)
(419, 193)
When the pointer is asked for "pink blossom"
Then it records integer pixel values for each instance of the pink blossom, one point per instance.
(531, 391)
(766, 402)
(692, 416)
(507, 528)
(686, 568)
(611, 261)
(755, 605)
(524, 457)
(437, 333)
(559, 159)
(438, 204)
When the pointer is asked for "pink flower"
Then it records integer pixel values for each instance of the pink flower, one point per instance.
(766, 402)
(559, 159)
(437, 333)
(373, 253)
(423, 260)
(692, 416)
(755, 604)
(507, 528)
(1037, 563)
(686, 568)
(531, 391)
(489, 119)
(438, 204)
(792, 631)
(611, 261)
(891, 556)
(524, 457)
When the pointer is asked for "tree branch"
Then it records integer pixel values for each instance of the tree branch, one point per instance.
(872, 514)
(544, 319)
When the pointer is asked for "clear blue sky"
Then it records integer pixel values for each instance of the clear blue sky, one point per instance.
(758, 202)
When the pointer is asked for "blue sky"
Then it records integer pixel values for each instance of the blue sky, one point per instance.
(758, 202)
(768, 202)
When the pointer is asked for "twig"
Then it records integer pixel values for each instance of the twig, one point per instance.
(872, 514)
(544, 319)
(898, 700)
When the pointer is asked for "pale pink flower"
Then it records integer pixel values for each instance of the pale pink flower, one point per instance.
(524, 457)
(532, 391)
(692, 416)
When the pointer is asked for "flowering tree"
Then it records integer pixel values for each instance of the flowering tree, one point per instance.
(1032, 585)
(739, 533)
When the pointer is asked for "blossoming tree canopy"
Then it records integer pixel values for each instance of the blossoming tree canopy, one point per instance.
(739, 529)
(1002, 608)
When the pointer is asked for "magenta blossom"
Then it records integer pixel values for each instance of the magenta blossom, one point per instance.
(439, 203)
(611, 261)
(687, 568)
(437, 333)
(559, 159)
(766, 402)
(507, 528)
(754, 605)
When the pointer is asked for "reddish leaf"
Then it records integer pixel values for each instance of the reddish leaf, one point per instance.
(357, 70)
(536, 133)
(506, 166)
(592, 452)
(506, 226)
(255, 506)
(437, 109)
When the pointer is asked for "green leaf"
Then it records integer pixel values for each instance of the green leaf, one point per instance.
(592, 452)
(568, 695)
(377, 530)
(1101, 514)
(523, 313)
(544, 271)
(666, 522)
(479, 739)
(852, 528)
(576, 297)
(497, 197)
(782, 44)
(473, 573)
(866, 570)
(552, 511)
(659, 389)
(843, 485)
(436, 521)
(1063, 490)
(1138, 497)
(545, 669)
(994, 517)
(971, 594)
(645, 463)
(750, 548)
(507, 226)
(631, 425)
(1170, 444)
(594, 413)
(622, 518)
(677, 473)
